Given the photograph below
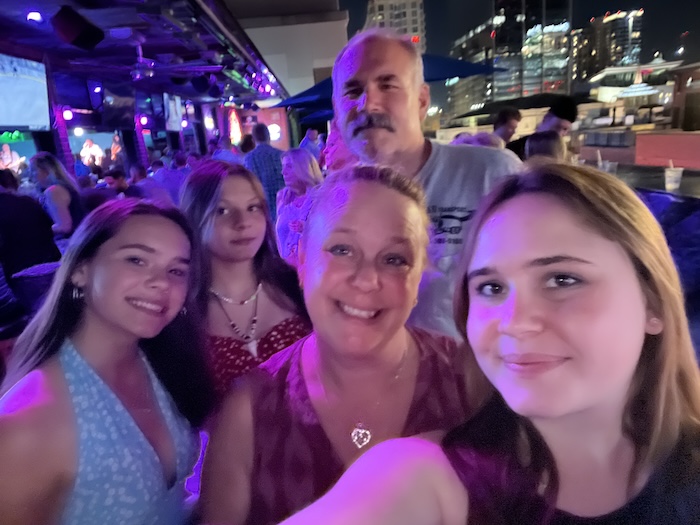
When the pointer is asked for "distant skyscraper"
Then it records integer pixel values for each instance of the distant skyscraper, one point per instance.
(529, 39)
(405, 17)
(607, 41)
(624, 37)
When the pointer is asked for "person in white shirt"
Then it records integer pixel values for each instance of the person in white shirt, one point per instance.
(91, 154)
(380, 101)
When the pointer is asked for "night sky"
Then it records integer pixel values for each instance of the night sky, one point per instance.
(664, 21)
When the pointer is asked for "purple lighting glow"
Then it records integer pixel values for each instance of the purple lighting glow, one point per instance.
(267, 88)
(98, 89)
(143, 120)
(67, 114)
(34, 16)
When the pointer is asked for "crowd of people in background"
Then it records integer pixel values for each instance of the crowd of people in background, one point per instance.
(373, 328)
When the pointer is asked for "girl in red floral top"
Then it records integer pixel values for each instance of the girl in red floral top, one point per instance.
(252, 297)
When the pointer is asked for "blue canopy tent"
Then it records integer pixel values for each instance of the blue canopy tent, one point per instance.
(317, 99)
(317, 96)
(317, 117)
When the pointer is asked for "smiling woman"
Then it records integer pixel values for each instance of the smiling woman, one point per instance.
(107, 383)
(296, 423)
(581, 360)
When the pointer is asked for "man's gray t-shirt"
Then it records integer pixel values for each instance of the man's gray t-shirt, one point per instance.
(454, 178)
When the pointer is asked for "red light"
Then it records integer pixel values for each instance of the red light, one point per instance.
(415, 39)
(592, 19)
(493, 34)
(607, 13)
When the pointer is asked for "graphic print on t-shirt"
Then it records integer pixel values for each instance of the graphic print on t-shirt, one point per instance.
(448, 223)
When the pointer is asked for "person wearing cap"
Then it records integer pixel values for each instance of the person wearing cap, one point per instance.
(560, 117)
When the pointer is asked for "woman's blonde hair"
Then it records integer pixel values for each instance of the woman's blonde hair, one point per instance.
(47, 162)
(306, 168)
(382, 175)
(664, 396)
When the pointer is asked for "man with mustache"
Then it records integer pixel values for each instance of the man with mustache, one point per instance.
(380, 101)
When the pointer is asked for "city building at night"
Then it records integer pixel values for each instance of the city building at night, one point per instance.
(529, 40)
(406, 17)
(611, 40)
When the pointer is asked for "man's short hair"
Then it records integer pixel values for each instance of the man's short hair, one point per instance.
(140, 169)
(506, 115)
(565, 108)
(116, 173)
(180, 159)
(378, 33)
(261, 133)
(8, 180)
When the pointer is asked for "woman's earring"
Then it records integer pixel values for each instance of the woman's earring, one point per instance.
(78, 294)
(655, 326)
(183, 312)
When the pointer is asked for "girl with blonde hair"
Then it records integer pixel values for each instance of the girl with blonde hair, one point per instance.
(251, 298)
(301, 174)
(60, 193)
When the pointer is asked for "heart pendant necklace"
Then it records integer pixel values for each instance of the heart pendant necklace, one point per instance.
(360, 435)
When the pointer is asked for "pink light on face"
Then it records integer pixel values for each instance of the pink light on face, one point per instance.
(143, 120)
(67, 114)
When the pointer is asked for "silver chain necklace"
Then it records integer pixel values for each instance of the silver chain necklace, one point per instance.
(248, 337)
(229, 300)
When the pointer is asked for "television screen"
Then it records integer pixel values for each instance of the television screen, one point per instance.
(24, 99)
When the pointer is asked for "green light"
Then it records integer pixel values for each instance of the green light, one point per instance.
(9, 137)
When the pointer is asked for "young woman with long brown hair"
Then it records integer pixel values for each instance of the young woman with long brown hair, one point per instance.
(107, 383)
